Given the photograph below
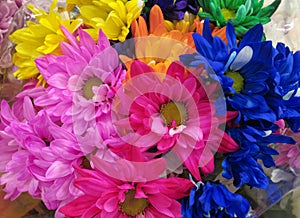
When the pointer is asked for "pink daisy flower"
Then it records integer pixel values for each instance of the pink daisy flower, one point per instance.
(170, 115)
(289, 154)
(81, 84)
(38, 156)
(105, 196)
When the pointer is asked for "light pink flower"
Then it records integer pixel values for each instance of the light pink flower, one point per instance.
(81, 85)
(170, 114)
(7, 10)
(288, 153)
(105, 196)
(39, 155)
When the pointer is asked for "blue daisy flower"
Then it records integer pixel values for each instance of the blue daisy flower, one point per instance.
(284, 94)
(214, 200)
(254, 138)
(243, 69)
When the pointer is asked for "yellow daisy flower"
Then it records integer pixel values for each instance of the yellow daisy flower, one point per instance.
(39, 38)
(114, 17)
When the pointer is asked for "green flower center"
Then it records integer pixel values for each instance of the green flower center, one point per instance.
(238, 80)
(174, 112)
(228, 14)
(88, 87)
(133, 206)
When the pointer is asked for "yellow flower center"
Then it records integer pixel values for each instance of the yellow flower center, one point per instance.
(174, 112)
(88, 87)
(133, 206)
(238, 80)
(228, 14)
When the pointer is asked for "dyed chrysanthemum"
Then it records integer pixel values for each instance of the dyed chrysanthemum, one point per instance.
(289, 154)
(284, 94)
(173, 10)
(7, 11)
(114, 17)
(38, 38)
(181, 30)
(254, 140)
(243, 14)
(244, 69)
(171, 112)
(176, 38)
(105, 196)
(81, 83)
(214, 200)
(39, 155)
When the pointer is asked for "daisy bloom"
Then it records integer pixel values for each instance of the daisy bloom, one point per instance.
(159, 113)
(7, 11)
(177, 37)
(243, 14)
(214, 200)
(243, 69)
(114, 17)
(38, 38)
(81, 83)
(180, 30)
(38, 157)
(289, 154)
(105, 196)
(284, 95)
(172, 10)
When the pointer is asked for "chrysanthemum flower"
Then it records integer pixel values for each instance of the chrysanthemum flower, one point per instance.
(243, 14)
(105, 196)
(289, 154)
(39, 155)
(214, 200)
(180, 38)
(81, 82)
(284, 94)
(38, 38)
(171, 112)
(254, 142)
(7, 11)
(244, 69)
(181, 30)
(114, 17)
(173, 10)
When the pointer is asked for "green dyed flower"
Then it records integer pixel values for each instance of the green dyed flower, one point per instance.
(243, 14)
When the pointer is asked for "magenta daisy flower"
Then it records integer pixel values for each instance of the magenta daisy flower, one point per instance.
(38, 157)
(289, 153)
(81, 83)
(170, 115)
(105, 196)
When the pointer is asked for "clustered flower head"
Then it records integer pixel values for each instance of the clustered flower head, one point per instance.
(7, 10)
(243, 14)
(135, 108)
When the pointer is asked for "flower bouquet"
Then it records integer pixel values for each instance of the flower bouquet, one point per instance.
(132, 108)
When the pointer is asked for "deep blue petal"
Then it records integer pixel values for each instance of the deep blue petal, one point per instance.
(253, 35)
(207, 31)
(230, 35)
